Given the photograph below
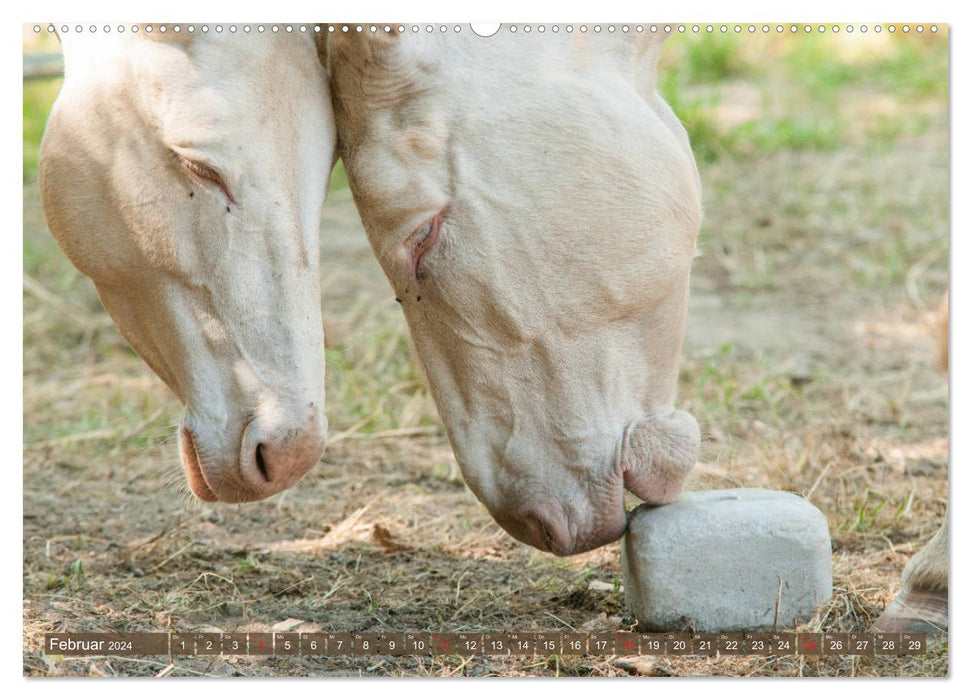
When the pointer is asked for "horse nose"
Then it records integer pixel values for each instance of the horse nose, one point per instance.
(275, 458)
(564, 529)
(547, 529)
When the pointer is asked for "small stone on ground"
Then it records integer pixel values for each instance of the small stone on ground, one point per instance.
(729, 560)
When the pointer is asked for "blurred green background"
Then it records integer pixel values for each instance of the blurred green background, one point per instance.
(739, 95)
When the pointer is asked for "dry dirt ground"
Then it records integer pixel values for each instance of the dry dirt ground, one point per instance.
(810, 362)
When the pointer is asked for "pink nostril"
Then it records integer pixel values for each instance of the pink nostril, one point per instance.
(273, 461)
(261, 462)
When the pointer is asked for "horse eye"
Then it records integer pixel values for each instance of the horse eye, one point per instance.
(419, 236)
(204, 171)
(207, 172)
(421, 241)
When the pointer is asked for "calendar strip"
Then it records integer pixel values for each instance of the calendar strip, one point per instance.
(482, 644)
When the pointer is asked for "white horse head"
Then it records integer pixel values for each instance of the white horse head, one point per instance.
(534, 204)
(185, 174)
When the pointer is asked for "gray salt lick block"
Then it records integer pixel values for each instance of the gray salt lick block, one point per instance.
(713, 561)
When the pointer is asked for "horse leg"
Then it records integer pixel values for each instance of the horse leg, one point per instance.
(922, 604)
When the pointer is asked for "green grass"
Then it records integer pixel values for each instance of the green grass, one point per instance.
(886, 130)
(71, 577)
(715, 57)
(789, 133)
(914, 69)
(39, 96)
(247, 564)
(813, 88)
(909, 67)
(338, 178)
(730, 387)
(873, 512)
(372, 378)
(43, 260)
(113, 413)
(708, 140)
(814, 65)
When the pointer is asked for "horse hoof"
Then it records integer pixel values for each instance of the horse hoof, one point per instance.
(915, 611)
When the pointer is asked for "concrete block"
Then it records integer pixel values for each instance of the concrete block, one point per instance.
(714, 561)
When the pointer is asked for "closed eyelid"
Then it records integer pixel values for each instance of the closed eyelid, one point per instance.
(206, 172)
(421, 241)
(203, 170)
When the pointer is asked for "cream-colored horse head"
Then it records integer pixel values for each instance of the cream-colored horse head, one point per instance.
(185, 175)
(534, 204)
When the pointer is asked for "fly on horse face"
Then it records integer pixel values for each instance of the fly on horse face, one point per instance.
(185, 175)
(535, 206)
